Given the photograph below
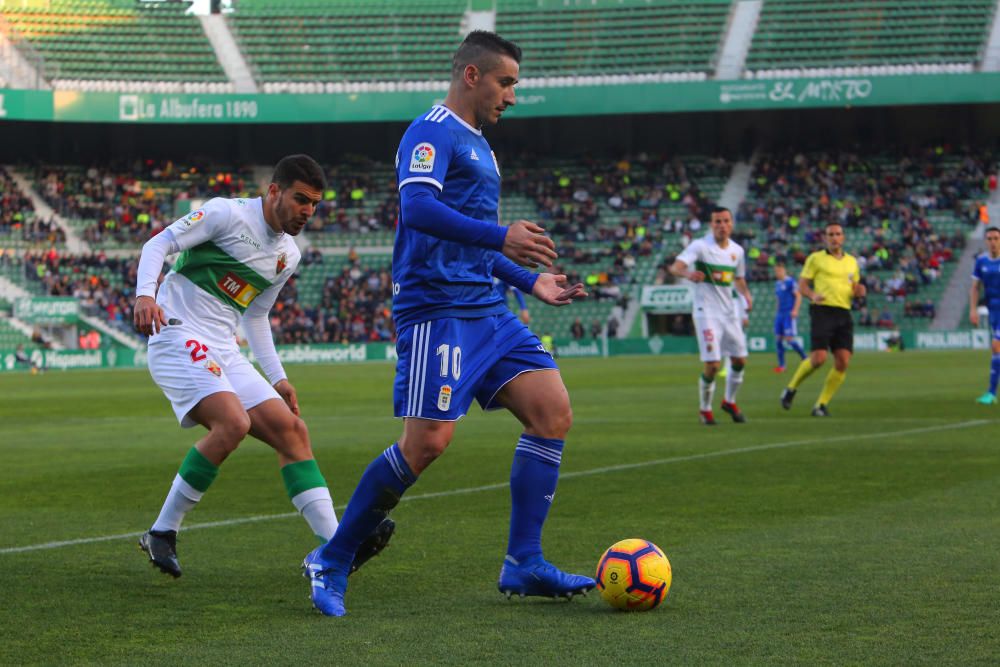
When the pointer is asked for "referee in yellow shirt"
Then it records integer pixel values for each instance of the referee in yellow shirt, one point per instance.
(830, 280)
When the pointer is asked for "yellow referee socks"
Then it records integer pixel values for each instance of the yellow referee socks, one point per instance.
(804, 370)
(834, 379)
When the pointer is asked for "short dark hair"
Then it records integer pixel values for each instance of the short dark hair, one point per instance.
(832, 223)
(721, 209)
(483, 49)
(991, 228)
(298, 167)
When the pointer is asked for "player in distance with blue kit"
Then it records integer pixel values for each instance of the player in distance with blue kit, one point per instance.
(786, 289)
(522, 306)
(457, 339)
(987, 273)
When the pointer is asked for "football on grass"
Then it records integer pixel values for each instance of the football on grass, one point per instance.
(633, 575)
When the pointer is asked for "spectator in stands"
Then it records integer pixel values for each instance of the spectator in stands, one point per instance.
(576, 330)
(612, 327)
(596, 329)
(885, 320)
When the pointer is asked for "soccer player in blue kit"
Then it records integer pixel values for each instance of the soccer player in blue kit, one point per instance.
(457, 339)
(504, 289)
(987, 273)
(786, 289)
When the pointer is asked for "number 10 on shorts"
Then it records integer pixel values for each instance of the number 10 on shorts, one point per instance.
(447, 354)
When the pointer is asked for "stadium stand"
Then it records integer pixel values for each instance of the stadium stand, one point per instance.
(796, 37)
(105, 286)
(906, 215)
(117, 45)
(617, 223)
(567, 40)
(122, 206)
(336, 43)
(20, 228)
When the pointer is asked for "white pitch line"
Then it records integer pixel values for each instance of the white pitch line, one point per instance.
(562, 476)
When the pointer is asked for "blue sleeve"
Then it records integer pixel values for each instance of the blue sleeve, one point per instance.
(421, 210)
(424, 154)
(977, 272)
(514, 275)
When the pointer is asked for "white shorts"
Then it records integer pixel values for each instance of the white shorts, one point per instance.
(188, 368)
(720, 337)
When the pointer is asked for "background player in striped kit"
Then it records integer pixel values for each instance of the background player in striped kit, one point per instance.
(236, 254)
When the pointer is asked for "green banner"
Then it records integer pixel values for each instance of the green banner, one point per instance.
(25, 104)
(533, 102)
(47, 309)
(666, 298)
(118, 357)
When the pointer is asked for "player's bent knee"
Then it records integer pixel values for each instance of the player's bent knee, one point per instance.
(232, 431)
(294, 440)
(553, 423)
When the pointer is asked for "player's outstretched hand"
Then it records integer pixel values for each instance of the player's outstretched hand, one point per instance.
(696, 276)
(527, 245)
(555, 291)
(974, 317)
(287, 393)
(148, 316)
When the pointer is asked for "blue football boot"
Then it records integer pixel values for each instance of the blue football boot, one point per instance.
(327, 585)
(536, 576)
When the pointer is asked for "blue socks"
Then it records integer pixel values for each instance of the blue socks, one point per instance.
(780, 344)
(381, 486)
(533, 478)
(994, 373)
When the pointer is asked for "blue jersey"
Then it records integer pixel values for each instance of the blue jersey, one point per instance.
(785, 291)
(987, 272)
(435, 278)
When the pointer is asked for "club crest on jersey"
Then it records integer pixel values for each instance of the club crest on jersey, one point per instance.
(238, 289)
(213, 368)
(444, 398)
(282, 262)
(423, 158)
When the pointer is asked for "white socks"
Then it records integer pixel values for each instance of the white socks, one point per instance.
(180, 500)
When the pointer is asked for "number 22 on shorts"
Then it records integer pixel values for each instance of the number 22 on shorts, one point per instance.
(198, 350)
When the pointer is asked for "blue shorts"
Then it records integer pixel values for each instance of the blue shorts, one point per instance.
(444, 364)
(784, 325)
(995, 324)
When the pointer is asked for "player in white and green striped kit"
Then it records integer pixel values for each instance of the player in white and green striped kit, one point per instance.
(235, 256)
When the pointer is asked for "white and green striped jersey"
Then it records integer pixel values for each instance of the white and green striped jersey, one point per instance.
(230, 261)
(714, 296)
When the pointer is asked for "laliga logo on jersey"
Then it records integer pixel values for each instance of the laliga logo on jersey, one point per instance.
(282, 263)
(423, 158)
(193, 218)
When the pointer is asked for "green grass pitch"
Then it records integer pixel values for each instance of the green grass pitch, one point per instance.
(871, 537)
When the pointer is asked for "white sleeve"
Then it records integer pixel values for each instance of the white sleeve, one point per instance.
(202, 224)
(741, 265)
(257, 327)
(154, 252)
(690, 254)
